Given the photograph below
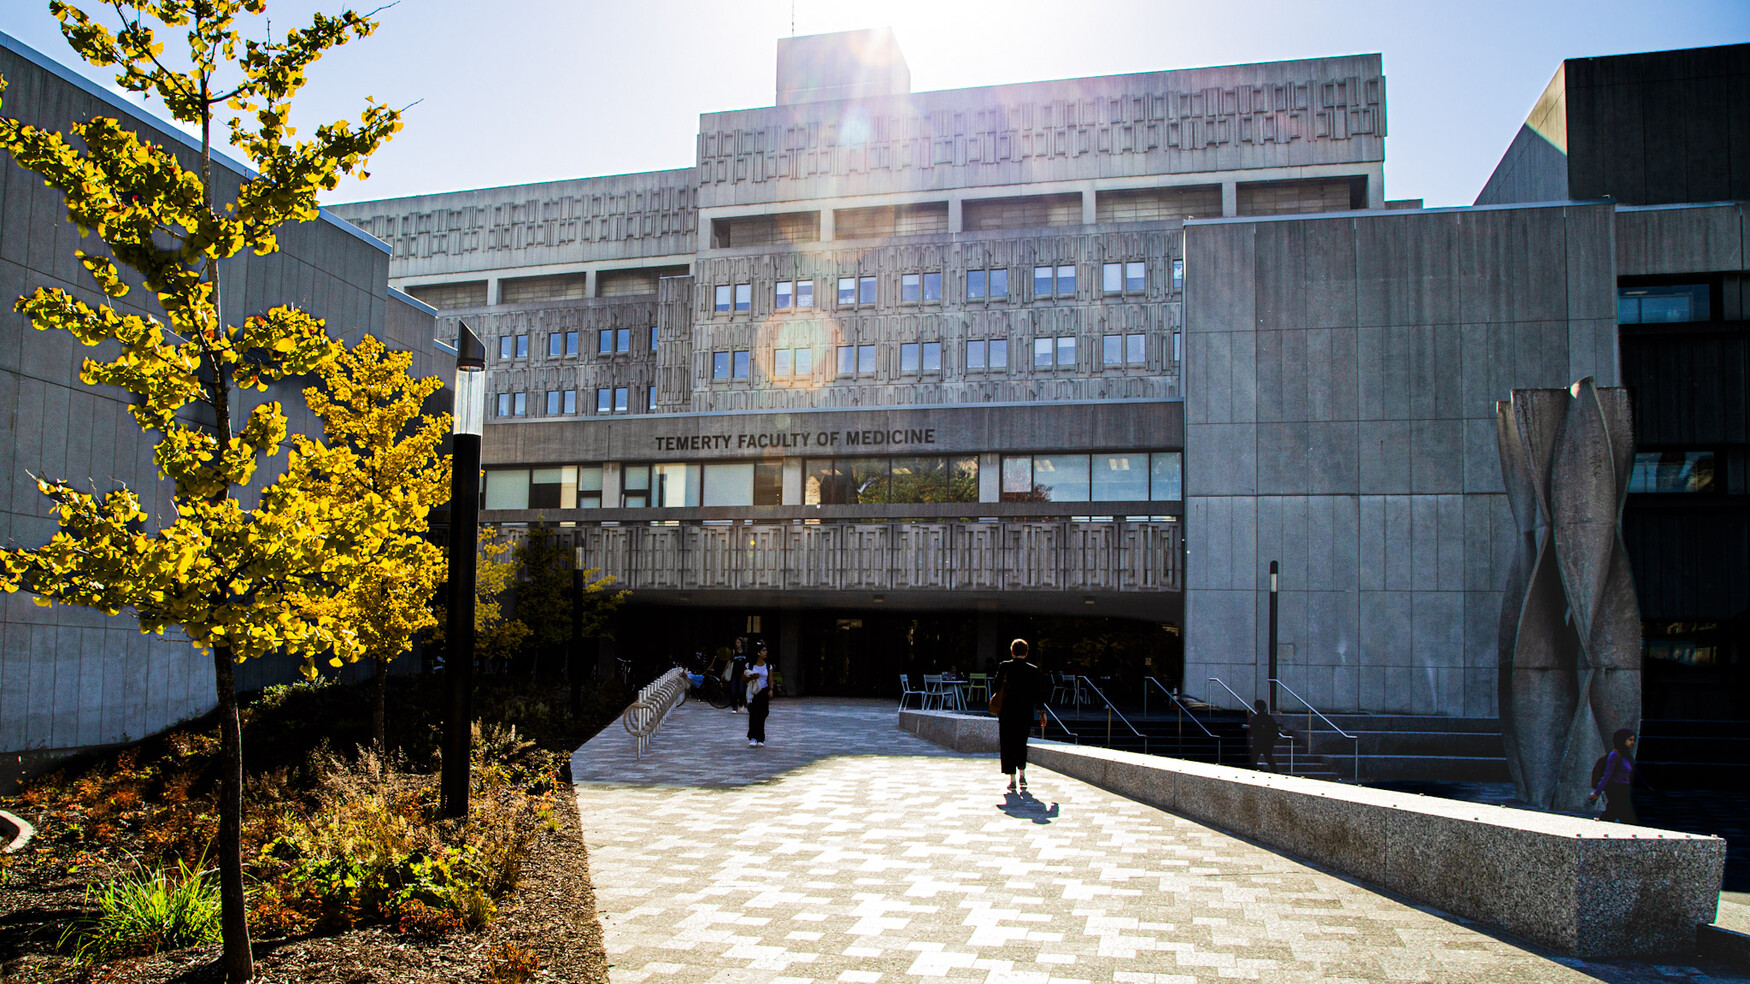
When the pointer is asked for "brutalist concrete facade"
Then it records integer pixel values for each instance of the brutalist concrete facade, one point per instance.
(71, 678)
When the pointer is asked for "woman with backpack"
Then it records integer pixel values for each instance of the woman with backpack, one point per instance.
(1617, 779)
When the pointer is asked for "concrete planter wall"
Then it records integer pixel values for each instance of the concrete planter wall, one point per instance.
(1578, 886)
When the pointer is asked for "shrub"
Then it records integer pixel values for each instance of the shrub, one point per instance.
(511, 964)
(145, 912)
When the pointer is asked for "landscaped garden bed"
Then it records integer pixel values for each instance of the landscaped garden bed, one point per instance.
(353, 875)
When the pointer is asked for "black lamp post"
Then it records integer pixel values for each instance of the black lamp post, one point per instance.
(470, 418)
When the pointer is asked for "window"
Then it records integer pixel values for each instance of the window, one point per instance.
(722, 297)
(1674, 471)
(604, 401)
(792, 362)
(784, 294)
(847, 359)
(634, 486)
(914, 287)
(570, 402)
(652, 338)
(1044, 284)
(675, 485)
(610, 340)
(1041, 353)
(1122, 350)
(1128, 276)
(1662, 305)
(865, 358)
(741, 365)
(553, 488)
(987, 354)
(1127, 476)
(781, 362)
(856, 290)
(925, 357)
(851, 481)
(1163, 476)
(743, 297)
(1119, 477)
(589, 487)
(623, 340)
(519, 404)
(986, 283)
(504, 404)
(720, 365)
(513, 346)
(908, 357)
(1178, 351)
(804, 362)
(805, 294)
(1135, 275)
(932, 356)
(1066, 350)
(650, 404)
(562, 343)
(1178, 274)
(553, 403)
(619, 399)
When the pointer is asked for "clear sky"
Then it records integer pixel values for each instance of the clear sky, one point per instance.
(510, 91)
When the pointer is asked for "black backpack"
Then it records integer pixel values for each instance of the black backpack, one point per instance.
(1598, 768)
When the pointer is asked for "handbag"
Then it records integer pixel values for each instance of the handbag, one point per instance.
(996, 699)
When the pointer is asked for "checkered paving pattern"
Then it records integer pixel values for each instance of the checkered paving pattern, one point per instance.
(849, 851)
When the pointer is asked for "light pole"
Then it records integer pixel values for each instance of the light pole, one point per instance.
(574, 665)
(470, 415)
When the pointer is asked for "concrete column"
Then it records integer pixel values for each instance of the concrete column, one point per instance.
(1376, 186)
(826, 236)
(792, 487)
(589, 283)
(990, 476)
(610, 476)
(790, 652)
(954, 214)
(491, 290)
(1089, 209)
(1230, 198)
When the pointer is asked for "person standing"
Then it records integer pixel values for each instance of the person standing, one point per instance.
(1018, 683)
(1617, 782)
(1262, 730)
(759, 698)
(737, 674)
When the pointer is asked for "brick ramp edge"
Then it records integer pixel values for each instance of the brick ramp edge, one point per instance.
(1580, 887)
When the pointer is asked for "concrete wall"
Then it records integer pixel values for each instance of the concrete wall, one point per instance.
(69, 677)
(1340, 403)
(1535, 168)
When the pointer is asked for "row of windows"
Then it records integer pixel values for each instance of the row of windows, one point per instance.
(565, 402)
(609, 341)
(1099, 477)
(914, 288)
(1662, 305)
(1057, 352)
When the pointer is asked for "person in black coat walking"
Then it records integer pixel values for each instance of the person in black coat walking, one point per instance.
(1019, 683)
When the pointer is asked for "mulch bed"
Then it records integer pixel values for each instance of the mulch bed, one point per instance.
(552, 916)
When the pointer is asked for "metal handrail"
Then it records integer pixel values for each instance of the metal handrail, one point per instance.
(1311, 710)
(1047, 709)
(1111, 710)
(1246, 708)
(1242, 700)
(1183, 710)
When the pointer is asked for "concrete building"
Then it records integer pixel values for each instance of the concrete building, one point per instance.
(71, 678)
(889, 377)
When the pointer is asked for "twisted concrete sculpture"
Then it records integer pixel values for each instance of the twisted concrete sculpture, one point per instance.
(1570, 637)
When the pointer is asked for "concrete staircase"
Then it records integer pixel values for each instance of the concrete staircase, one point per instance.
(1401, 746)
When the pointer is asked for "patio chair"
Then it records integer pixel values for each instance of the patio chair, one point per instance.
(905, 691)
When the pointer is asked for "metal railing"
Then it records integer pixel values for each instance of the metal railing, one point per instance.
(1074, 737)
(655, 700)
(1183, 712)
(1247, 709)
(1111, 711)
(1310, 711)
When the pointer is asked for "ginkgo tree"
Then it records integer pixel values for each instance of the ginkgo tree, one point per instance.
(378, 446)
(234, 564)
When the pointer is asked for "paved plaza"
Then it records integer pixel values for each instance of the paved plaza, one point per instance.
(849, 851)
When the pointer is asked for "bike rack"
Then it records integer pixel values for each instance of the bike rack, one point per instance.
(655, 700)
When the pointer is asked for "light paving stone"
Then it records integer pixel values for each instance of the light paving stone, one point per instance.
(847, 850)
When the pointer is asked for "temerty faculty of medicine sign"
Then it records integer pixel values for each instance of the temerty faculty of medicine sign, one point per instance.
(798, 440)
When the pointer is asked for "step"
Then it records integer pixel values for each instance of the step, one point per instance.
(1460, 743)
(1448, 768)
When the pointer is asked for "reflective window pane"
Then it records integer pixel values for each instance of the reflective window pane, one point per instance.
(505, 347)
(620, 399)
(823, 485)
(1066, 280)
(743, 296)
(804, 362)
(932, 356)
(571, 342)
(520, 404)
(768, 483)
(555, 344)
(1134, 352)
(866, 290)
(522, 346)
(782, 294)
(623, 340)
(920, 480)
(1673, 471)
(553, 403)
(604, 341)
(999, 353)
(722, 297)
(847, 290)
(720, 365)
(974, 284)
(1041, 281)
(741, 365)
(1111, 349)
(1066, 351)
(1042, 353)
(570, 401)
(865, 358)
(1112, 277)
(932, 286)
(999, 283)
(963, 479)
(908, 288)
(868, 479)
(805, 294)
(1061, 477)
(1017, 484)
(908, 357)
(1178, 274)
(1120, 477)
(1135, 275)
(975, 355)
(604, 401)
(847, 360)
(781, 362)
(1163, 476)
(727, 484)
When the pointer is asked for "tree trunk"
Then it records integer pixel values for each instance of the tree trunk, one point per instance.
(238, 963)
(381, 680)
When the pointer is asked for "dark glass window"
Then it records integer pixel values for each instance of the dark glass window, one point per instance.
(868, 478)
(1673, 471)
(768, 483)
(1672, 304)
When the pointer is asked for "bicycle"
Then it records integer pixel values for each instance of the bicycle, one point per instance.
(707, 684)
